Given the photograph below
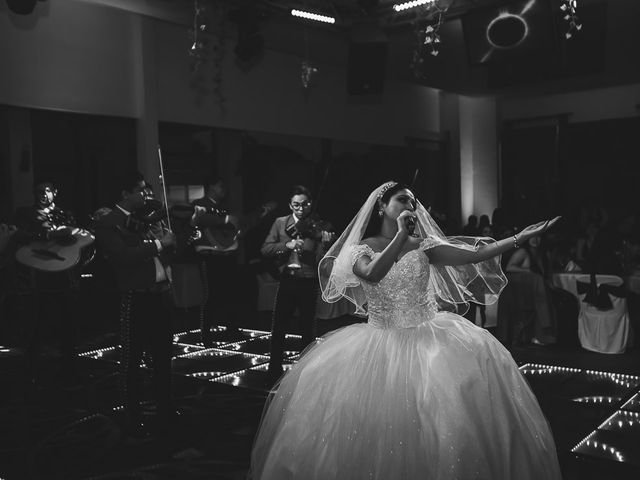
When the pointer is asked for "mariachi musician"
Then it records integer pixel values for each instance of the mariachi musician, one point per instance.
(136, 243)
(297, 242)
(49, 299)
(217, 247)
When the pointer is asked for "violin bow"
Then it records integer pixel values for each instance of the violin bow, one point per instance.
(164, 189)
(415, 177)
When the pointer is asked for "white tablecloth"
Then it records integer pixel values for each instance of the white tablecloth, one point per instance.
(567, 281)
(600, 331)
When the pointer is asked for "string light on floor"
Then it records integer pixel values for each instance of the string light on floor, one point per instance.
(254, 333)
(568, 8)
(265, 366)
(633, 403)
(627, 381)
(205, 375)
(95, 354)
(207, 352)
(597, 399)
(540, 369)
(612, 451)
(622, 420)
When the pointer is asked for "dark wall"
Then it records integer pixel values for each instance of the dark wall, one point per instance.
(558, 168)
(82, 155)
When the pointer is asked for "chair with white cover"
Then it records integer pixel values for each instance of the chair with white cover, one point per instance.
(603, 322)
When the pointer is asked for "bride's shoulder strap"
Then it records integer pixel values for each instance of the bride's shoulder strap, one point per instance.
(359, 251)
(430, 241)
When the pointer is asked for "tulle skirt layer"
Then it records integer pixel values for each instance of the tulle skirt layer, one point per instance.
(443, 400)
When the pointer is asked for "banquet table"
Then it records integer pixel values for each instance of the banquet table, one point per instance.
(567, 281)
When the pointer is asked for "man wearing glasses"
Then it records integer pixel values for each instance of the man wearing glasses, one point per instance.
(297, 252)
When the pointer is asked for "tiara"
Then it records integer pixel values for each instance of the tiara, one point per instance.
(385, 187)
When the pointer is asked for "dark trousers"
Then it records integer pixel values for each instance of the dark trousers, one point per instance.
(49, 315)
(145, 325)
(219, 274)
(292, 292)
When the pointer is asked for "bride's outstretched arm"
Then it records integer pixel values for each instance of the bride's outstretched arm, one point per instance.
(448, 255)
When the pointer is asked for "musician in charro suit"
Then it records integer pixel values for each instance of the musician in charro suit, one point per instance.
(138, 256)
(218, 261)
(298, 286)
(48, 300)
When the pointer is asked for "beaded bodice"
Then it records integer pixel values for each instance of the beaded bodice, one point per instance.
(403, 298)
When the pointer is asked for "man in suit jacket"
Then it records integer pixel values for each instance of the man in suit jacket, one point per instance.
(298, 286)
(218, 261)
(137, 257)
(47, 297)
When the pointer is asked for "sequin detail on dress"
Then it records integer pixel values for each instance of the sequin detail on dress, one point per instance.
(403, 298)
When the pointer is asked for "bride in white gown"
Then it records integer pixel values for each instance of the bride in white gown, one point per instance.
(418, 392)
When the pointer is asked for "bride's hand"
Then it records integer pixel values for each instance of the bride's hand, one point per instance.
(536, 229)
(406, 222)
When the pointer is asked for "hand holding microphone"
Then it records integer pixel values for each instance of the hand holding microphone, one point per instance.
(407, 222)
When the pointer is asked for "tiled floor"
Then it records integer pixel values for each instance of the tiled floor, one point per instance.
(71, 432)
(584, 396)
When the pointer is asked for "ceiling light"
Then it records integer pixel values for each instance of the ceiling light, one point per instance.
(313, 16)
(406, 5)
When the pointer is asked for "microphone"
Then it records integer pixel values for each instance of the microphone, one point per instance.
(410, 222)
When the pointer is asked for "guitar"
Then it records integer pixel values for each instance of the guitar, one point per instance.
(224, 238)
(55, 255)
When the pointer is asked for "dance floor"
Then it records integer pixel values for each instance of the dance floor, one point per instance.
(71, 430)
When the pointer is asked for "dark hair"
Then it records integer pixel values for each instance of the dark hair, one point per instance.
(211, 180)
(41, 186)
(128, 181)
(484, 222)
(299, 190)
(375, 220)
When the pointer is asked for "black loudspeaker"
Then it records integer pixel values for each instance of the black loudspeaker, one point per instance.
(21, 7)
(366, 67)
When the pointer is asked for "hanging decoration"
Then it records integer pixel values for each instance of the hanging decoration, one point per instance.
(429, 20)
(568, 8)
(198, 50)
(207, 46)
(308, 70)
(307, 73)
(218, 50)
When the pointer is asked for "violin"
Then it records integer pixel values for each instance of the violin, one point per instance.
(149, 219)
(186, 211)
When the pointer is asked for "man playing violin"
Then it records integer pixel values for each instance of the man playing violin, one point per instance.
(49, 300)
(297, 245)
(137, 251)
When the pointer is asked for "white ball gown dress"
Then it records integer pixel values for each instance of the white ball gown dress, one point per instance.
(413, 394)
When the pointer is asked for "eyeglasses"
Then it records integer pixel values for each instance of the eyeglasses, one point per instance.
(297, 205)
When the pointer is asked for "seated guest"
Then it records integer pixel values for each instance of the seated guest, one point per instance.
(585, 244)
(471, 228)
(529, 266)
(484, 222)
